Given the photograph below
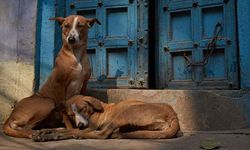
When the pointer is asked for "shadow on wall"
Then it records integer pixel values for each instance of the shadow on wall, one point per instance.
(205, 110)
(16, 79)
(14, 85)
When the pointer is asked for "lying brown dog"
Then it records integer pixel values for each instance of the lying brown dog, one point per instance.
(126, 119)
(68, 78)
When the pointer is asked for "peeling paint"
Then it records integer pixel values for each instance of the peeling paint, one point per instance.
(17, 49)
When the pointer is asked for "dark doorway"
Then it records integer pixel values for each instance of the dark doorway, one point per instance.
(152, 42)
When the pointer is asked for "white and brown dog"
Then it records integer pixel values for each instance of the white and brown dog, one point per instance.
(68, 78)
(126, 119)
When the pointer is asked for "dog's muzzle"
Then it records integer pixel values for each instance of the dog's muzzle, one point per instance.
(81, 121)
(81, 125)
(71, 39)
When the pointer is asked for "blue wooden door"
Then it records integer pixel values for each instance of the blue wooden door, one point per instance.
(113, 46)
(187, 56)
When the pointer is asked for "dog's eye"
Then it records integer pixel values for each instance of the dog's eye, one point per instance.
(80, 25)
(83, 108)
(71, 114)
(66, 26)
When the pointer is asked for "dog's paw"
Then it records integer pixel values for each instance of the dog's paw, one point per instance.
(45, 137)
(36, 137)
(115, 135)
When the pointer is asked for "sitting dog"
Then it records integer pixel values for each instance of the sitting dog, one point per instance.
(68, 78)
(126, 119)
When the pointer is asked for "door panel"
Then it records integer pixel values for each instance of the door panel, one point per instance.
(113, 46)
(186, 27)
(180, 26)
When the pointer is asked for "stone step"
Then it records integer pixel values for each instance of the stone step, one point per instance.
(198, 110)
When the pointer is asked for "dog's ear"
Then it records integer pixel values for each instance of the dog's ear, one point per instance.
(60, 20)
(95, 103)
(91, 22)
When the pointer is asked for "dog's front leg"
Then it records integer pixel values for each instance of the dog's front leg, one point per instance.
(66, 121)
(115, 134)
(60, 134)
(97, 134)
(54, 135)
(84, 88)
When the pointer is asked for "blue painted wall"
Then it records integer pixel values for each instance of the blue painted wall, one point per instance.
(243, 12)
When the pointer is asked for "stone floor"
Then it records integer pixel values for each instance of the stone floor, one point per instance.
(227, 140)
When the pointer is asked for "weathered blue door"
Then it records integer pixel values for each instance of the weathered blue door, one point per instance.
(113, 47)
(197, 44)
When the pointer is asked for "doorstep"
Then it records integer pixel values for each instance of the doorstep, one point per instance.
(198, 110)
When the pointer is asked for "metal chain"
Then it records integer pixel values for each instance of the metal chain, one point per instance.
(211, 46)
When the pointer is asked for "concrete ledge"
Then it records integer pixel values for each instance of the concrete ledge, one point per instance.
(197, 110)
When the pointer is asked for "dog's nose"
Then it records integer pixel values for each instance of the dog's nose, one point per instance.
(71, 39)
(81, 125)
